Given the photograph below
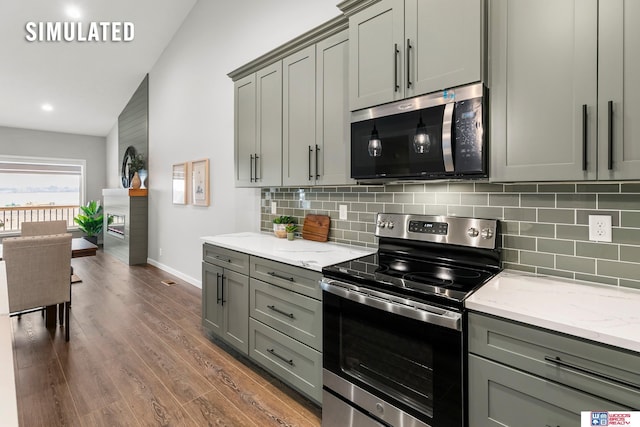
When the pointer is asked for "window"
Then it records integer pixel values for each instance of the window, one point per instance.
(39, 189)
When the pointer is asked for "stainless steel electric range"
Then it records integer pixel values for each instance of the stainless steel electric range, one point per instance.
(394, 322)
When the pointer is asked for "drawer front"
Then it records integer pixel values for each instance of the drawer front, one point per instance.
(599, 370)
(295, 315)
(500, 396)
(295, 363)
(226, 258)
(297, 279)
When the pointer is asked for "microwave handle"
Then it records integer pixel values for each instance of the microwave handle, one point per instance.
(447, 148)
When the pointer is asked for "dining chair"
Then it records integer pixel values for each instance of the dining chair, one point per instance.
(41, 228)
(38, 273)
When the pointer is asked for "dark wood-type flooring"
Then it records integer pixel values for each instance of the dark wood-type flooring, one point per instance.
(138, 357)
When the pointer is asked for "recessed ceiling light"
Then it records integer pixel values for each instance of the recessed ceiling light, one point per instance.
(47, 107)
(73, 12)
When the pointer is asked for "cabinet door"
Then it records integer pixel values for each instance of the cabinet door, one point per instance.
(543, 71)
(376, 65)
(333, 157)
(299, 117)
(443, 44)
(618, 71)
(268, 171)
(212, 316)
(244, 129)
(502, 396)
(235, 303)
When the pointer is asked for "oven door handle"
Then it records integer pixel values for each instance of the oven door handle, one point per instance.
(417, 311)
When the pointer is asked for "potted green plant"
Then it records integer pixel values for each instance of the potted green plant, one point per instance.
(90, 220)
(279, 224)
(136, 165)
(290, 229)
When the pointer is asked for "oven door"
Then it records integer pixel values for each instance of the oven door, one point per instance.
(391, 357)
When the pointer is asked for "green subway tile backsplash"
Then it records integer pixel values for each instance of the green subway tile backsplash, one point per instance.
(545, 225)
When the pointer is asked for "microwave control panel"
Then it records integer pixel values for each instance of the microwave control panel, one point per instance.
(468, 135)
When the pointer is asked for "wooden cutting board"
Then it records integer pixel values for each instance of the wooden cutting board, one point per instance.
(316, 227)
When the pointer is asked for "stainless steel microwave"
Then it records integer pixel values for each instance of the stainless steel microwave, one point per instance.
(437, 136)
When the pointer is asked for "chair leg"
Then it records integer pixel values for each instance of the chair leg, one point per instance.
(67, 321)
(60, 314)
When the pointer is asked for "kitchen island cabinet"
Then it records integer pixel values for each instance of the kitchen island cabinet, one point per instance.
(563, 90)
(542, 350)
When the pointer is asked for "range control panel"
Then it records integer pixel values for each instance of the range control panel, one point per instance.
(429, 227)
(474, 232)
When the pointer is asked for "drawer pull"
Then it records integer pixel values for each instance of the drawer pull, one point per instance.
(284, 359)
(222, 259)
(277, 310)
(274, 274)
(556, 360)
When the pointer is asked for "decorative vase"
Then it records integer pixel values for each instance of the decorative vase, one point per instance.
(279, 230)
(290, 236)
(135, 181)
(142, 173)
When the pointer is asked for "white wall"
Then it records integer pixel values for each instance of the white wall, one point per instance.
(34, 143)
(113, 163)
(191, 118)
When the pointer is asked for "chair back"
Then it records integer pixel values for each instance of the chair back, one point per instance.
(37, 270)
(41, 228)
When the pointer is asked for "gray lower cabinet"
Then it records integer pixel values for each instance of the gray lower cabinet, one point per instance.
(268, 310)
(225, 293)
(524, 376)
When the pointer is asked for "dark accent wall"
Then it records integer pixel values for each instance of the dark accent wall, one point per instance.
(133, 125)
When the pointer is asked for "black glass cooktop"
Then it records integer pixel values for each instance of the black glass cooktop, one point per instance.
(441, 281)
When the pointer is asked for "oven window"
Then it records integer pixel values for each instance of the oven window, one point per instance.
(414, 365)
(388, 359)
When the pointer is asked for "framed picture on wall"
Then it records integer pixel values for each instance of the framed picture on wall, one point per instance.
(200, 182)
(179, 183)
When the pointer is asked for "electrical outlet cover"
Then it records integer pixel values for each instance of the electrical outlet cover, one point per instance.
(600, 228)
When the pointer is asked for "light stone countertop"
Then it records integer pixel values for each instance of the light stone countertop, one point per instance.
(299, 252)
(8, 400)
(601, 313)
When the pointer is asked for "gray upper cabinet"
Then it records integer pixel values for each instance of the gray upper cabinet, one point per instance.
(258, 128)
(405, 48)
(316, 115)
(299, 117)
(554, 68)
(333, 155)
(618, 89)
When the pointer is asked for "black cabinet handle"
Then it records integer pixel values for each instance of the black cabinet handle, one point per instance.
(408, 53)
(309, 163)
(610, 135)
(557, 361)
(250, 167)
(255, 167)
(218, 291)
(222, 259)
(222, 301)
(317, 172)
(584, 137)
(274, 274)
(396, 52)
(277, 310)
(284, 359)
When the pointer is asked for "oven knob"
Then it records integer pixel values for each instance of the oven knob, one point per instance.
(472, 232)
(382, 224)
(390, 225)
(487, 233)
(380, 408)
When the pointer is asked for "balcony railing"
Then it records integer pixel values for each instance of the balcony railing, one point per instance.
(13, 216)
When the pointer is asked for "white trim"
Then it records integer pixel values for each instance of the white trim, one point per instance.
(191, 280)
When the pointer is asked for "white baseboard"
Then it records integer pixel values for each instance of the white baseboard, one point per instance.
(191, 280)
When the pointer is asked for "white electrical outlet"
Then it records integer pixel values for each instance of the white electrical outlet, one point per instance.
(274, 206)
(343, 211)
(600, 228)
